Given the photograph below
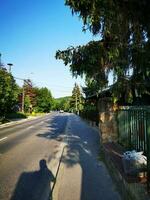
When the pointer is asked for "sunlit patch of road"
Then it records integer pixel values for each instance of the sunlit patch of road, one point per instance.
(4, 138)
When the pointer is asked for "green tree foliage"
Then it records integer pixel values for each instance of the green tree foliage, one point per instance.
(90, 111)
(30, 91)
(92, 87)
(44, 100)
(123, 48)
(27, 104)
(62, 103)
(76, 101)
(89, 60)
(38, 99)
(8, 92)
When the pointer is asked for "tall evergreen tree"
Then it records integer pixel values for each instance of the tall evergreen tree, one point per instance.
(123, 48)
(76, 99)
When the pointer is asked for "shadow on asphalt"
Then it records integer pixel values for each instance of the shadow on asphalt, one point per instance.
(56, 128)
(34, 185)
(83, 149)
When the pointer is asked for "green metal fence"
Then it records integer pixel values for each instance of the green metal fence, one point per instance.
(134, 130)
(132, 127)
(91, 115)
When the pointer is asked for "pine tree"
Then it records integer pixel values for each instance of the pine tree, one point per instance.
(76, 99)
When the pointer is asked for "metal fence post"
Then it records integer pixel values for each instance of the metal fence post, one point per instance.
(148, 149)
(118, 128)
(129, 129)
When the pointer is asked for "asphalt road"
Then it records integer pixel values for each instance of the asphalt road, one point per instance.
(26, 151)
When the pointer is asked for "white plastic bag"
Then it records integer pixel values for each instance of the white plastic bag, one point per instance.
(134, 162)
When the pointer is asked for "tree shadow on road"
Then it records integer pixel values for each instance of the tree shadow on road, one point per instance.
(56, 129)
(83, 150)
(34, 185)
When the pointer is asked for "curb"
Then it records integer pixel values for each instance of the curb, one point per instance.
(55, 165)
(18, 122)
(13, 123)
(56, 161)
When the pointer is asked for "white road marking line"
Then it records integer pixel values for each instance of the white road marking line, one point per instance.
(29, 127)
(4, 138)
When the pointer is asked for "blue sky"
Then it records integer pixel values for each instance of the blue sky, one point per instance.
(31, 32)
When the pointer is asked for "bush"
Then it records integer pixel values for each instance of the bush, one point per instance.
(15, 115)
(3, 120)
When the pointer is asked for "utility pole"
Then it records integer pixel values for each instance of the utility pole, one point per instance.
(23, 92)
(76, 104)
(23, 95)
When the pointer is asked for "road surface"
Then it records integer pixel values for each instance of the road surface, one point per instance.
(26, 150)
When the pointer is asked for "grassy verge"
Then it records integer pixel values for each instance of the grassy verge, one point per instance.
(4, 120)
(17, 115)
(34, 114)
(9, 117)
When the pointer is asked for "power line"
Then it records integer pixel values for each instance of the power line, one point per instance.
(54, 85)
(19, 78)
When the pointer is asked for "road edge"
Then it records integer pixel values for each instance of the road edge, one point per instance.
(20, 121)
(57, 161)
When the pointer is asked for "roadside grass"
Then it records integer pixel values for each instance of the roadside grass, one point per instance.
(18, 115)
(35, 114)
(4, 120)
(10, 116)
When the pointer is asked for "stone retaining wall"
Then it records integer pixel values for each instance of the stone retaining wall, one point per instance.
(128, 191)
(107, 120)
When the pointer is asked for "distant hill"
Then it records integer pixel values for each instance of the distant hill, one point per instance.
(62, 103)
(63, 98)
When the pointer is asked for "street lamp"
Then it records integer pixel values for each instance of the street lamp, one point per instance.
(0, 60)
(10, 65)
(1, 64)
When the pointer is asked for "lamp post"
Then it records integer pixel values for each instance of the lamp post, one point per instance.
(1, 64)
(10, 65)
(0, 60)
